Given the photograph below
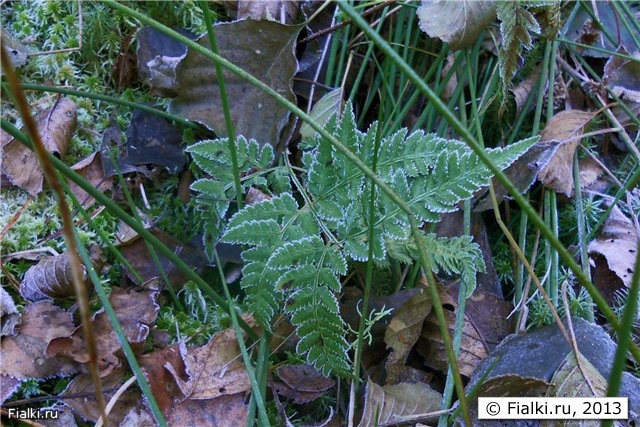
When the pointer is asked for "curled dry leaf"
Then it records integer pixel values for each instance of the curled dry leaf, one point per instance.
(389, 404)
(566, 128)
(50, 278)
(403, 331)
(90, 168)
(87, 406)
(302, 383)
(9, 316)
(55, 126)
(213, 370)
(23, 354)
(485, 325)
(618, 244)
(135, 310)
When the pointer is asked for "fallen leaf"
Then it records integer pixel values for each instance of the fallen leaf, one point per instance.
(283, 11)
(565, 127)
(135, 310)
(213, 370)
(591, 174)
(9, 316)
(524, 365)
(8, 386)
(23, 355)
(52, 277)
(64, 417)
(302, 383)
(90, 168)
(55, 126)
(264, 49)
(224, 411)
(522, 173)
(485, 325)
(151, 141)
(389, 404)
(522, 92)
(158, 55)
(162, 383)
(138, 255)
(403, 331)
(618, 244)
(87, 406)
(457, 23)
(329, 105)
(577, 380)
(18, 52)
(622, 76)
(138, 418)
(583, 29)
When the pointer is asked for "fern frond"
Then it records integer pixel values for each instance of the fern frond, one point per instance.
(316, 315)
(517, 24)
(291, 266)
(217, 190)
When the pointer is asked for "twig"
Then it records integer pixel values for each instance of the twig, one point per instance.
(67, 221)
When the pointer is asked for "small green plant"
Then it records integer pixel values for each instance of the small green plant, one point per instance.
(296, 250)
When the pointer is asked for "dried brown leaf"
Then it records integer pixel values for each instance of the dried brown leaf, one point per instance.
(135, 310)
(302, 383)
(90, 168)
(403, 331)
(223, 411)
(139, 257)
(161, 381)
(23, 355)
(618, 243)
(8, 386)
(565, 127)
(389, 404)
(264, 49)
(50, 278)
(9, 316)
(484, 326)
(87, 406)
(56, 126)
(213, 370)
(622, 76)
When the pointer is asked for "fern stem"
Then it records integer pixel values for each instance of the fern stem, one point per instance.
(369, 278)
(500, 175)
(231, 134)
